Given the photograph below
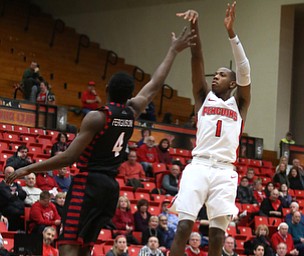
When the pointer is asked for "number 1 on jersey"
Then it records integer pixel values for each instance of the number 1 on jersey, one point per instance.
(118, 145)
(218, 128)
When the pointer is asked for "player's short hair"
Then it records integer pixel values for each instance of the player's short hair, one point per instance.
(121, 87)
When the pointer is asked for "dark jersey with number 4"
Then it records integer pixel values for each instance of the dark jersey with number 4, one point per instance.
(107, 149)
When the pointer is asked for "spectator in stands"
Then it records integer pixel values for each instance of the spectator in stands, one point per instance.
(258, 192)
(259, 250)
(250, 176)
(63, 179)
(172, 218)
(145, 133)
(284, 196)
(32, 192)
(280, 176)
(149, 113)
(167, 232)
(43, 213)
(90, 99)
(296, 180)
(119, 248)
(12, 201)
(49, 234)
(20, 158)
(294, 206)
(284, 160)
(142, 215)
(245, 193)
(272, 206)
(30, 81)
(59, 202)
(269, 187)
(132, 171)
(194, 245)
(170, 181)
(228, 248)
(163, 151)
(296, 229)
(46, 182)
(45, 96)
(296, 163)
(61, 145)
(281, 249)
(262, 237)
(152, 230)
(124, 220)
(191, 123)
(282, 236)
(147, 155)
(288, 139)
(151, 248)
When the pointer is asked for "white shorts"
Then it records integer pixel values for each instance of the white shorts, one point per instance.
(206, 182)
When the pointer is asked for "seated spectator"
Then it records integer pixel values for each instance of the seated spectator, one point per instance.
(20, 158)
(294, 206)
(152, 230)
(280, 176)
(30, 81)
(32, 192)
(46, 182)
(228, 248)
(49, 234)
(250, 176)
(284, 196)
(296, 163)
(194, 245)
(272, 206)
(59, 202)
(89, 98)
(259, 250)
(45, 96)
(123, 219)
(43, 213)
(296, 229)
(170, 181)
(269, 187)
(191, 123)
(172, 218)
(63, 179)
(151, 248)
(262, 233)
(282, 236)
(61, 145)
(142, 215)
(258, 192)
(281, 249)
(163, 152)
(147, 155)
(119, 248)
(245, 193)
(296, 181)
(132, 171)
(145, 133)
(167, 233)
(12, 201)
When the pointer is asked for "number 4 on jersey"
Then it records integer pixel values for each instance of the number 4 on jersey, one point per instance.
(118, 145)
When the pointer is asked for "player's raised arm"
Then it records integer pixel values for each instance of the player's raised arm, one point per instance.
(200, 87)
(150, 90)
(243, 80)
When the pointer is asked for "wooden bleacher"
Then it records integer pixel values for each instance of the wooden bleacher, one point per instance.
(19, 47)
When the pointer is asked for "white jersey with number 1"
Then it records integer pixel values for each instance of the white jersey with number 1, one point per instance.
(219, 126)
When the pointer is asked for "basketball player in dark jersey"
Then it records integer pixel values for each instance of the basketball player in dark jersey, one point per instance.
(98, 149)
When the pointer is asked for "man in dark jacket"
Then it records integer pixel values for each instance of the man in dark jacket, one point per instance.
(20, 159)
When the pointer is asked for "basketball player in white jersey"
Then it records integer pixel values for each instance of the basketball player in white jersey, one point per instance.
(211, 179)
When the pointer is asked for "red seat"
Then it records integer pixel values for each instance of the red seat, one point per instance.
(255, 162)
(159, 178)
(21, 129)
(180, 152)
(41, 157)
(98, 250)
(137, 235)
(8, 243)
(4, 145)
(3, 227)
(6, 127)
(105, 235)
(141, 195)
(11, 137)
(29, 138)
(35, 148)
(133, 250)
(128, 192)
(159, 198)
(154, 209)
(71, 136)
(244, 161)
(37, 131)
(231, 231)
(158, 167)
(180, 159)
(266, 172)
(285, 211)
(196, 226)
(239, 248)
(267, 164)
(120, 181)
(241, 169)
(258, 220)
(149, 185)
(250, 208)
(299, 194)
(245, 232)
(273, 221)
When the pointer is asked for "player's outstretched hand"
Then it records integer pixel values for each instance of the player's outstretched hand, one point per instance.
(16, 175)
(230, 16)
(183, 41)
(190, 15)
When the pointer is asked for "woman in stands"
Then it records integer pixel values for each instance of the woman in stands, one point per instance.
(119, 248)
(142, 216)
(296, 181)
(163, 151)
(61, 144)
(269, 187)
(284, 196)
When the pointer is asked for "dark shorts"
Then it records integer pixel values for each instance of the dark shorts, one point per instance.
(90, 204)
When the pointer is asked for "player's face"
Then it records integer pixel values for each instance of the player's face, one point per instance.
(221, 81)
